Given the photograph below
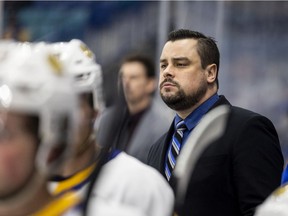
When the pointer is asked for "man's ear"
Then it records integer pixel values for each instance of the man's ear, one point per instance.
(211, 72)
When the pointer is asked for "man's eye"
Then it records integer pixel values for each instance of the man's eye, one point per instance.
(181, 65)
(163, 66)
(134, 77)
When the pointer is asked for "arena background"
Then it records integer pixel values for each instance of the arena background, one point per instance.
(252, 38)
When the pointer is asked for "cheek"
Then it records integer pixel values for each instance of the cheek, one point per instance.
(15, 163)
(161, 78)
(11, 164)
(190, 81)
(138, 84)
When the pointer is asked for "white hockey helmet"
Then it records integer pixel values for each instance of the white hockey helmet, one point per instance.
(5, 47)
(33, 82)
(80, 62)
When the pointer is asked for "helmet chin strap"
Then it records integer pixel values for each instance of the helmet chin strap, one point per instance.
(88, 141)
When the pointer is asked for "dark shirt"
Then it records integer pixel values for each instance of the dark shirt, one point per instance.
(129, 125)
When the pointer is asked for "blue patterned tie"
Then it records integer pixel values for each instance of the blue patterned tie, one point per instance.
(174, 149)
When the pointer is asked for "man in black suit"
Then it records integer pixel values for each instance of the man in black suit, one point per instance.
(239, 170)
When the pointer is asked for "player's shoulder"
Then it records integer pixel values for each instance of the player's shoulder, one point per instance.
(275, 204)
(127, 181)
(132, 173)
(128, 165)
(108, 208)
(244, 113)
(245, 117)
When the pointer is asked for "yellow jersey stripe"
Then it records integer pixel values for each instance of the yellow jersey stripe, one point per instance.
(74, 180)
(60, 205)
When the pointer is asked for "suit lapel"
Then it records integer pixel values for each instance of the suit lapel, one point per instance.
(165, 147)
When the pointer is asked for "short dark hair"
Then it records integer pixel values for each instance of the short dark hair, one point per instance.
(206, 47)
(144, 60)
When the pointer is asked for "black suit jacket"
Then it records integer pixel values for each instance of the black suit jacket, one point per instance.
(234, 174)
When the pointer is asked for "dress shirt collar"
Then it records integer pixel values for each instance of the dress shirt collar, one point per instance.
(193, 118)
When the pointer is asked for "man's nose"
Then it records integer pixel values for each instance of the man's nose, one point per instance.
(168, 71)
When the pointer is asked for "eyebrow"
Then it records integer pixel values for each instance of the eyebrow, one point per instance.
(180, 59)
(176, 59)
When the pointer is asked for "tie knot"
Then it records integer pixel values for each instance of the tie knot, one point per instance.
(181, 125)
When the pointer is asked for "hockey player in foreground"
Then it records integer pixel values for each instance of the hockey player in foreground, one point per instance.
(37, 119)
(124, 186)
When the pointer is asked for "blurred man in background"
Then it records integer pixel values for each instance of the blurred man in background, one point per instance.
(144, 121)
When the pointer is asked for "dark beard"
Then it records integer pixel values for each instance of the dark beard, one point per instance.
(181, 101)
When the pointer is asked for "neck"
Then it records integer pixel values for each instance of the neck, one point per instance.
(184, 113)
(29, 206)
(80, 162)
(139, 106)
